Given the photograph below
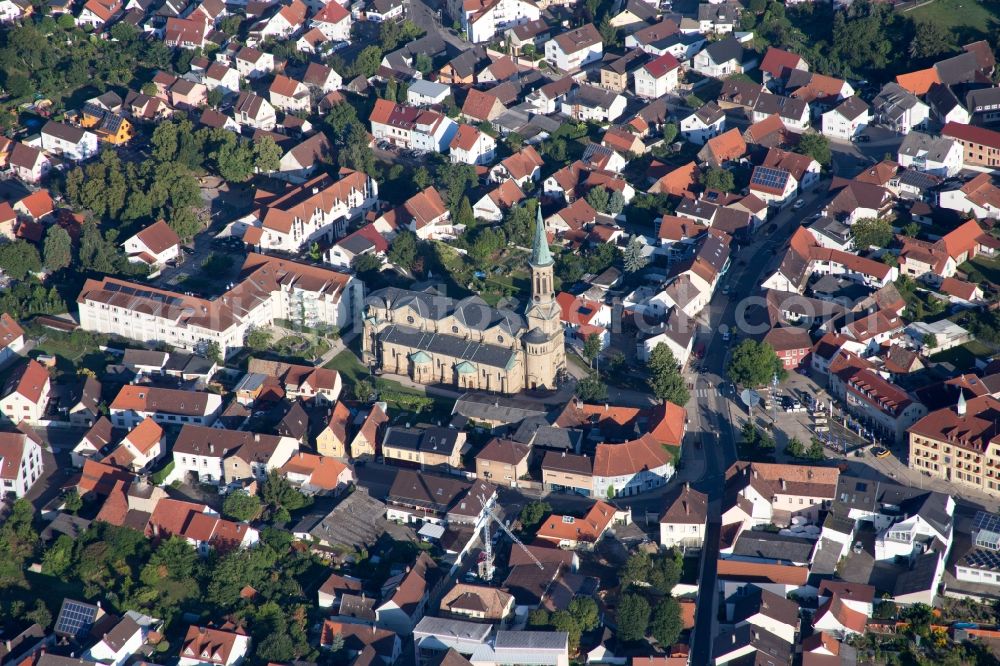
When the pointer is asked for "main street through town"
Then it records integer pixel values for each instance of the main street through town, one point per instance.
(709, 411)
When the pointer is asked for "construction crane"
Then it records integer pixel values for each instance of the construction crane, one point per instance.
(487, 567)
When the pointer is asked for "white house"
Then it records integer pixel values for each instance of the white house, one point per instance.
(656, 78)
(720, 59)
(482, 20)
(73, 143)
(219, 75)
(793, 111)
(134, 403)
(20, 462)
(707, 122)
(253, 64)
(899, 109)
(11, 338)
(144, 444)
(204, 646)
(220, 456)
(289, 95)
(575, 48)
(846, 120)
(26, 393)
(591, 103)
(939, 156)
(427, 93)
(633, 467)
(10, 11)
(28, 163)
(682, 524)
(472, 146)
(155, 246)
(123, 639)
(334, 21)
(253, 111)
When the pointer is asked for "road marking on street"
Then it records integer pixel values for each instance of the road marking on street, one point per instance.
(706, 392)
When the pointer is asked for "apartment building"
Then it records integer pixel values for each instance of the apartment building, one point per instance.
(271, 289)
(317, 210)
(573, 49)
(981, 146)
(410, 127)
(960, 444)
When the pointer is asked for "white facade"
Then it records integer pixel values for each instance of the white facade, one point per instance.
(82, 145)
(944, 157)
(633, 484)
(25, 455)
(572, 60)
(697, 132)
(836, 126)
(483, 24)
(652, 87)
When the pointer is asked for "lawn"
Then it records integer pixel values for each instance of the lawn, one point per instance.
(988, 268)
(964, 356)
(971, 19)
(352, 371)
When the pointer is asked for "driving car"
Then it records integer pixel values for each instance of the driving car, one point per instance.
(799, 204)
(880, 452)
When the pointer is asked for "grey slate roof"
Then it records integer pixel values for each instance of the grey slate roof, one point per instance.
(771, 546)
(725, 50)
(358, 520)
(484, 407)
(473, 312)
(917, 144)
(983, 99)
(449, 345)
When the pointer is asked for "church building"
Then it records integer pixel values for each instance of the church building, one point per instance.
(434, 339)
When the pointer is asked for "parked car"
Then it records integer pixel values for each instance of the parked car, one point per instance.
(880, 452)
(799, 204)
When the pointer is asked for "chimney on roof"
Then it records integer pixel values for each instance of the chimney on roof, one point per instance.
(211, 448)
(782, 484)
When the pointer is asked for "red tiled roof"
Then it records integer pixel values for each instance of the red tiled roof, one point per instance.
(567, 528)
(971, 134)
(777, 62)
(918, 82)
(644, 453)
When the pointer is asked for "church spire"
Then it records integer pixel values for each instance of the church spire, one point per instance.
(540, 254)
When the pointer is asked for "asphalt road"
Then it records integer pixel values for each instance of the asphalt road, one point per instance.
(712, 422)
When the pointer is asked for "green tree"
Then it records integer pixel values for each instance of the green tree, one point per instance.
(564, 621)
(315, 251)
(72, 501)
(592, 389)
(815, 450)
(539, 617)
(258, 339)
(635, 260)
(667, 623)
(40, 614)
(403, 250)
(464, 214)
(364, 391)
(215, 97)
(633, 618)
(214, 352)
(235, 160)
(637, 568)
(19, 258)
(665, 571)
(267, 155)
(58, 248)
(815, 146)
(670, 132)
(423, 63)
(58, 559)
(665, 379)
(931, 39)
(357, 153)
(795, 448)
(717, 178)
(870, 232)
(754, 364)
(584, 610)
(598, 198)
(278, 493)
(533, 513)
(241, 506)
(368, 61)
(930, 341)
(366, 263)
(592, 348)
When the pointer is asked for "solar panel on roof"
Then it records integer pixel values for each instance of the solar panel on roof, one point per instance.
(75, 618)
(769, 177)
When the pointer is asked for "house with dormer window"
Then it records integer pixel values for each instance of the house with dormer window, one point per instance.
(205, 646)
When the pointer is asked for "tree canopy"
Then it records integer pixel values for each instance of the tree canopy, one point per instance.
(754, 364)
(665, 379)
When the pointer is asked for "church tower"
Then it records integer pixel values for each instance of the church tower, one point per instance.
(545, 353)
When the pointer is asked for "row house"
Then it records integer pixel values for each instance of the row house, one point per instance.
(482, 20)
(135, 403)
(319, 209)
(408, 127)
(216, 455)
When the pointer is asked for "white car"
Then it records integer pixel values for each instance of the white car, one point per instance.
(799, 204)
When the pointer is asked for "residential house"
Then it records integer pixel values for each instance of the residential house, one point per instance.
(503, 462)
(580, 532)
(682, 524)
(20, 461)
(616, 71)
(979, 195)
(778, 64)
(142, 446)
(220, 456)
(366, 240)
(11, 338)
(332, 440)
(367, 441)
(478, 603)
(253, 111)
(405, 595)
(481, 106)
(652, 38)
(289, 95)
(635, 466)
(253, 64)
(764, 610)
(720, 59)
(288, 20)
(155, 246)
(318, 474)
(73, 143)
(29, 164)
(981, 146)
(409, 127)
(98, 13)
(334, 21)
(899, 109)
(939, 156)
(657, 77)
(482, 20)
(575, 48)
(166, 406)
(25, 396)
(322, 79)
(726, 147)
(302, 160)
(793, 112)
(846, 120)
(520, 167)
(493, 205)
(206, 646)
(472, 146)
(362, 641)
(203, 529)
(424, 447)
(591, 103)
